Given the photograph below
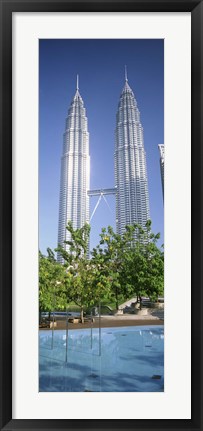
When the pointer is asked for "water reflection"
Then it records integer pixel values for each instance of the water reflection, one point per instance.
(132, 359)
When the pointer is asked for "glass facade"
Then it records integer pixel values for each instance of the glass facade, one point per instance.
(132, 197)
(75, 171)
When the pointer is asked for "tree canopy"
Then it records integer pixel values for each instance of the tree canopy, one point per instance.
(134, 262)
(119, 267)
(54, 283)
(88, 280)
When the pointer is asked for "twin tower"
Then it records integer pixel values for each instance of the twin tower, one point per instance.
(131, 184)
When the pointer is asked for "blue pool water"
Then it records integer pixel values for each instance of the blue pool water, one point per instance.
(124, 359)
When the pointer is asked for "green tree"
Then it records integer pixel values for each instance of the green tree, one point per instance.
(88, 282)
(144, 264)
(112, 249)
(54, 283)
(133, 262)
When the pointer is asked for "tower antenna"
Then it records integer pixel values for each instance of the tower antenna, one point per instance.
(77, 83)
(126, 75)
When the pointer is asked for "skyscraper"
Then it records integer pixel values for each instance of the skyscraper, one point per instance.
(75, 170)
(161, 151)
(132, 198)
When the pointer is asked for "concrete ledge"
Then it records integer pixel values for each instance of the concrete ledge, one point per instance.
(118, 313)
(142, 312)
(74, 320)
(53, 324)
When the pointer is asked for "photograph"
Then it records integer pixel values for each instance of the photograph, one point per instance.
(101, 215)
(101, 198)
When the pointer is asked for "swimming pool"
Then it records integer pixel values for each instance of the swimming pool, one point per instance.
(124, 359)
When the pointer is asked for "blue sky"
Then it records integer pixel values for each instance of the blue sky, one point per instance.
(100, 64)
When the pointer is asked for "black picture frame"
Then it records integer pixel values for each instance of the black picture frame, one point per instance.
(7, 8)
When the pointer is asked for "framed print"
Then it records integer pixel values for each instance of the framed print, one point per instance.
(127, 80)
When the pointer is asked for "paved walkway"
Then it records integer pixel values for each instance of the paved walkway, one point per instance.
(113, 321)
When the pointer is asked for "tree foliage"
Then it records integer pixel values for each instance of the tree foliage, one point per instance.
(121, 266)
(133, 261)
(88, 281)
(54, 283)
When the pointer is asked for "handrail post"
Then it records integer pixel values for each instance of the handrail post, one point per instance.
(91, 327)
(66, 359)
(99, 328)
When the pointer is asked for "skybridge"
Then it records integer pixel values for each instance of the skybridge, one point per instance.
(101, 193)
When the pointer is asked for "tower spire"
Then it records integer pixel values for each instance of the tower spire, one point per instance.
(126, 75)
(77, 83)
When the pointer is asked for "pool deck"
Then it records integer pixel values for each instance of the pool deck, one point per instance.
(112, 321)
